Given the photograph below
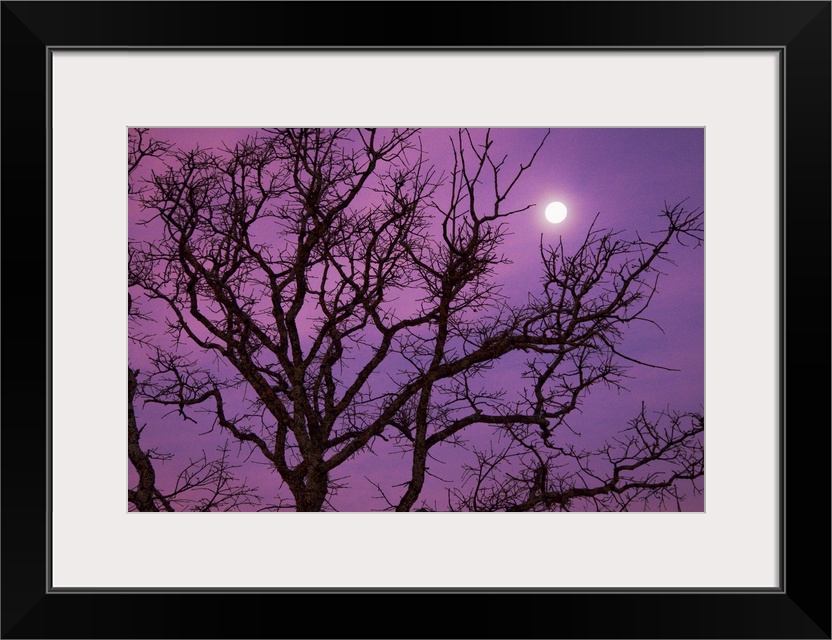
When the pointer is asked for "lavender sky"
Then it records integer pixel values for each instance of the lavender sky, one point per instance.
(625, 176)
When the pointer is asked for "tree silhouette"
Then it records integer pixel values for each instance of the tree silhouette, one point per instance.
(318, 293)
(201, 485)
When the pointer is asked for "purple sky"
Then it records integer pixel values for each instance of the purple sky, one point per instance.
(626, 176)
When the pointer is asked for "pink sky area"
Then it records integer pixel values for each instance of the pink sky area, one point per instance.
(625, 176)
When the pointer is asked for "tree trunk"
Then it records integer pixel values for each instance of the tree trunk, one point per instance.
(142, 497)
(310, 495)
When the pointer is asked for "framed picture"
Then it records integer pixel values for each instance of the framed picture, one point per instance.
(753, 77)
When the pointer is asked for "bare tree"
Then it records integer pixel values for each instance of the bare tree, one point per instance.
(646, 464)
(203, 484)
(327, 290)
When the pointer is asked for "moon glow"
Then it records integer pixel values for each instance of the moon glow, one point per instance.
(556, 212)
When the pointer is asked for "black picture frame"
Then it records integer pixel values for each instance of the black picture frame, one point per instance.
(799, 608)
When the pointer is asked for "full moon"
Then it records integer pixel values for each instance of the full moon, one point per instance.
(556, 212)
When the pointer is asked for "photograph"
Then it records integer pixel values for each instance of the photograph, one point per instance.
(401, 319)
(474, 260)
